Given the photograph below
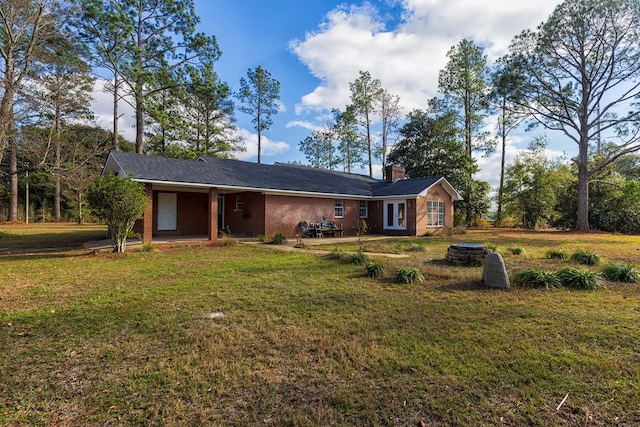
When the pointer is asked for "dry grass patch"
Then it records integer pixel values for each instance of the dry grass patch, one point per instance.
(309, 340)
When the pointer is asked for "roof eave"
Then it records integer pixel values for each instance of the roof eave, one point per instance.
(270, 191)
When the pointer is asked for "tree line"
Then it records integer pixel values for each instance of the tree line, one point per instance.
(150, 56)
(576, 76)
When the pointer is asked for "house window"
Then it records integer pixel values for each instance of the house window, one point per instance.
(435, 213)
(339, 208)
(364, 209)
(238, 204)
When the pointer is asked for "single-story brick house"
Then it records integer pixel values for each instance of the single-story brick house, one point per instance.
(200, 197)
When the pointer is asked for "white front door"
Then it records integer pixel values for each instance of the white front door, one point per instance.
(167, 211)
(395, 215)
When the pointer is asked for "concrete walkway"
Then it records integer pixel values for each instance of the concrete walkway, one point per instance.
(309, 243)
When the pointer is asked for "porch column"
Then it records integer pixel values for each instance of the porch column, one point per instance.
(213, 215)
(147, 218)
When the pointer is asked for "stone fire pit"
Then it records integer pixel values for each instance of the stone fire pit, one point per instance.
(467, 254)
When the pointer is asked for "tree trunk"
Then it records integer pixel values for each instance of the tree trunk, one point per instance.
(503, 132)
(139, 92)
(469, 147)
(139, 120)
(13, 174)
(116, 88)
(57, 163)
(80, 219)
(6, 115)
(259, 143)
(259, 126)
(369, 146)
(582, 223)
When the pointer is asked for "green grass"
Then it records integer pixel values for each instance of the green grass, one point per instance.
(112, 339)
(50, 235)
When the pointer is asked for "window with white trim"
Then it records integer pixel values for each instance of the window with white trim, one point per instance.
(339, 208)
(435, 213)
(238, 204)
(364, 209)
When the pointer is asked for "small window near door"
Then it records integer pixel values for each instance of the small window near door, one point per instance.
(364, 209)
(339, 208)
(238, 204)
(435, 213)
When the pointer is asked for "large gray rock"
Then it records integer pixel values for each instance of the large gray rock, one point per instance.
(494, 274)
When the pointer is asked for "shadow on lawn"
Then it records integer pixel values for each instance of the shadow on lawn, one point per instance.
(44, 255)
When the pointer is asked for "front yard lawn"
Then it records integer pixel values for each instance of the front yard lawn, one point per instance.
(250, 335)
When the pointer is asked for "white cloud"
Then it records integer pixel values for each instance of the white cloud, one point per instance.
(408, 58)
(102, 107)
(269, 148)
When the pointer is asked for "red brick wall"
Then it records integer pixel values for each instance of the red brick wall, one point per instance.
(193, 214)
(376, 217)
(284, 213)
(250, 220)
(437, 192)
(416, 215)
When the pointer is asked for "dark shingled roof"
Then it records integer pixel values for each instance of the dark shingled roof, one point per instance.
(212, 171)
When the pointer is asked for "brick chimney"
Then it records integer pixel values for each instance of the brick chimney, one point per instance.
(394, 173)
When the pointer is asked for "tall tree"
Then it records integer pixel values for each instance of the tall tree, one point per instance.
(86, 148)
(318, 149)
(62, 93)
(163, 119)
(463, 83)
(105, 34)
(429, 146)
(259, 93)
(25, 26)
(582, 70)
(504, 95)
(154, 41)
(209, 114)
(350, 145)
(365, 95)
(530, 188)
(390, 114)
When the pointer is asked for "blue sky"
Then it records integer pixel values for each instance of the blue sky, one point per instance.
(315, 48)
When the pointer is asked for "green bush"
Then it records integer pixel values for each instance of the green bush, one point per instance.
(575, 278)
(374, 269)
(416, 247)
(556, 254)
(409, 275)
(491, 246)
(585, 257)
(356, 258)
(536, 278)
(459, 231)
(119, 202)
(227, 240)
(279, 239)
(262, 238)
(621, 272)
(338, 254)
(516, 250)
